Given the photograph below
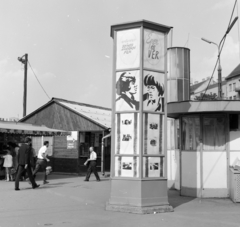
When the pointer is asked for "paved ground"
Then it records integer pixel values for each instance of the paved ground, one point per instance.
(69, 201)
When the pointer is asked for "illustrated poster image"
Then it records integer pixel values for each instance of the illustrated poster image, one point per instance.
(126, 133)
(153, 134)
(127, 91)
(128, 49)
(153, 50)
(153, 91)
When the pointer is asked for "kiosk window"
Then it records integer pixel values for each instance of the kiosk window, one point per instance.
(191, 133)
(214, 133)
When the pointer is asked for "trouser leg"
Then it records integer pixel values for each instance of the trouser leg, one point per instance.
(18, 175)
(45, 176)
(89, 171)
(94, 168)
(30, 176)
(38, 166)
(44, 166)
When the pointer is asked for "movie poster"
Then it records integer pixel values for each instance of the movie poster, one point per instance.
(153, 50)
(127, 91)
(153, 91)
(153, 167)
(153, 133)
(126, 166)
(128, 49)
(127, 133)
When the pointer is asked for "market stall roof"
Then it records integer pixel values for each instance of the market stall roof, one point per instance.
(99, 115)
(70, 116)
(29, 129)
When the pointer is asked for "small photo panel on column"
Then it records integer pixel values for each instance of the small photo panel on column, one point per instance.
(126, 133)
(128, 49)
(153, 50)
(126, 166)
(127, 91)
(153, 167)
(153, 128)
(153, 91)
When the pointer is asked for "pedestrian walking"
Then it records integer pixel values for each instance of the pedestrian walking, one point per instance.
(92, 161)
(24, 154)
(42, 161)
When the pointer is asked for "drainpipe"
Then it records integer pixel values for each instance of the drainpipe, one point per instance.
(102, 157)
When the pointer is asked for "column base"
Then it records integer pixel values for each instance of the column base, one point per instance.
(139, 210)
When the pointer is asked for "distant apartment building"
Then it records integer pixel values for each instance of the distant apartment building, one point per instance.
(233, 84)
(230, 87)
(208, 88)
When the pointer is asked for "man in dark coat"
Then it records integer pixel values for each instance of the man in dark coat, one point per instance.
(24, 158)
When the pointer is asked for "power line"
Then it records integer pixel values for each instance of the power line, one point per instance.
(38, 80)
(223, 40)
(238, 32)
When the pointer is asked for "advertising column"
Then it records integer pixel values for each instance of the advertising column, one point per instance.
(138, 165)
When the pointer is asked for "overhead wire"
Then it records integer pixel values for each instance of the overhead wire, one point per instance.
(38, 80)
(223, 40)
(238, 32)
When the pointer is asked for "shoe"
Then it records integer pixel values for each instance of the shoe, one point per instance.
(36, 186)
(86, 180)
(17, 189)
(45, 182)
(98, 180)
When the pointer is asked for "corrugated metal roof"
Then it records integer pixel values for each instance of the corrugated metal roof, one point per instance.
(100, 116)
(24, 128)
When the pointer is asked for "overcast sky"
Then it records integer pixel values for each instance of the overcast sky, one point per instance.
(70, 48)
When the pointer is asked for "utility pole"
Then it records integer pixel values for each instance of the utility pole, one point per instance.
(24, 60)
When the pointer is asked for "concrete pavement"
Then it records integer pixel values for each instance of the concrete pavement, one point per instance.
(69, 201)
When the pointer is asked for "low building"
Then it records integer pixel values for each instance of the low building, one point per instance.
(87, 124)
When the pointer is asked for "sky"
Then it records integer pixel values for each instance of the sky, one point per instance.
(70, 49)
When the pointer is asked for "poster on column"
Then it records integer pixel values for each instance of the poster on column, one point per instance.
(152, 167)
(153, 50)
(127, 133)
(153, 134)
(127, 91)
(153, 91)
(126, 167)
(128, 49)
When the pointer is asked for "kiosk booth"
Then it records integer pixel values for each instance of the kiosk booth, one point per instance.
(209, 145)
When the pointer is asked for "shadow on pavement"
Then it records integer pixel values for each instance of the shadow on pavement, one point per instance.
(176, 200)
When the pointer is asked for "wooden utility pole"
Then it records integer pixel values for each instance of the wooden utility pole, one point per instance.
(24, 60)
(25, 86)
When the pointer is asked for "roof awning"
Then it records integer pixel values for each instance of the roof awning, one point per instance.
(29, 129)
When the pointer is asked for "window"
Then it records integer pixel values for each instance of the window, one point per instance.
(214, 133)
(230, 87)
(234, 86)
(234, 97)
(230, 98)
(191, 133)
